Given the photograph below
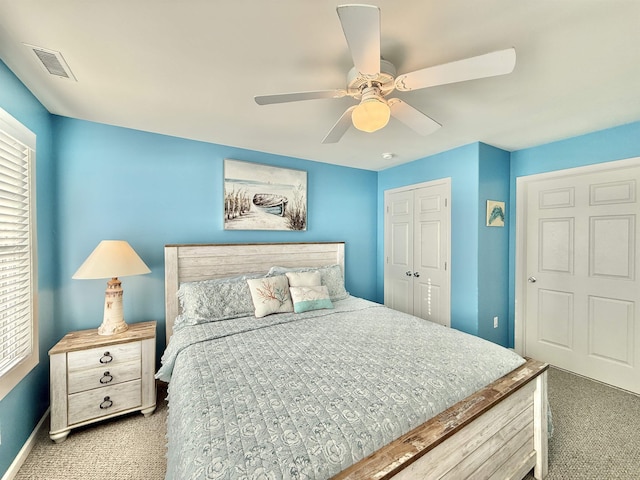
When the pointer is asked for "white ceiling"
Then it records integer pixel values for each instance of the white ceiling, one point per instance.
(191, 69)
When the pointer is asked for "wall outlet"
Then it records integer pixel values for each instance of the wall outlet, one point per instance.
(495, 322)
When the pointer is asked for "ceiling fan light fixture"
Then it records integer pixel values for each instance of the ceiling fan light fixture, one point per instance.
(373, 112)
(373, 78)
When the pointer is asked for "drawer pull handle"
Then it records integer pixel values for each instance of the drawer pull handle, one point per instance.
(106, 377)
(106, 358)
(106, 403)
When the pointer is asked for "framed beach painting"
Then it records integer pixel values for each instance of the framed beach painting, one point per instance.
(263, 197)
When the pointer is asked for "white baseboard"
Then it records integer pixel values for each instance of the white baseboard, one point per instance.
(25, 450)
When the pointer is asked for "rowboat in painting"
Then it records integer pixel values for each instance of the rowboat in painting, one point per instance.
(270, 203)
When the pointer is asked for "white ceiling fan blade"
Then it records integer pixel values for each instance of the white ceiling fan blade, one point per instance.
(482, 66)
(340, 127)
(361, 26)
(412, 118)
(298, 96)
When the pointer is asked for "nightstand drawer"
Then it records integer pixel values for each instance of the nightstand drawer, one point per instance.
(104, 401)
(103, 356)
(104, 376)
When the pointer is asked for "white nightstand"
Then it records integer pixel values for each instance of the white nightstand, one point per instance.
(95, 377)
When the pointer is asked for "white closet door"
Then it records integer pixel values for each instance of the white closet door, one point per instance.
(417, 240)
(398, 272)
(430, 247)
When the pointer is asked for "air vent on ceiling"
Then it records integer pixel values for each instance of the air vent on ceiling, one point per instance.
(52, 61)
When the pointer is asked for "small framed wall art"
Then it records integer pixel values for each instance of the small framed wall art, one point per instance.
(495, 213)
(264, 197)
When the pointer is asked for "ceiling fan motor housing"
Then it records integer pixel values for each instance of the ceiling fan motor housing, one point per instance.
(384, 81)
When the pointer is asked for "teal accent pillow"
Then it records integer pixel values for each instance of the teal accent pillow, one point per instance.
(310, 298)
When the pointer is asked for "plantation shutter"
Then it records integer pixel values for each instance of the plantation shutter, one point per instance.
(16, 333)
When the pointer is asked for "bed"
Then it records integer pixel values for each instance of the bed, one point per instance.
(355, 391)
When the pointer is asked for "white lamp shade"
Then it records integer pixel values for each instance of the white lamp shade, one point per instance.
(111, 259)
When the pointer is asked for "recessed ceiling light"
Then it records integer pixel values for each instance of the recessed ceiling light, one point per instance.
(388, 155)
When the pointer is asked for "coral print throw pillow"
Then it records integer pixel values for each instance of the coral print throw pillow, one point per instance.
(270, 295)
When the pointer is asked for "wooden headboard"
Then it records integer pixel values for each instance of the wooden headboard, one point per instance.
(188, 263)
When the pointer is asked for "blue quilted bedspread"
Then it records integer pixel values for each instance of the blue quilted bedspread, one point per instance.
(303, 396)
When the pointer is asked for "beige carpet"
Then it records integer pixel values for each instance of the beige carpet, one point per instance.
(597, 436)
(123, 448)
(596, 430)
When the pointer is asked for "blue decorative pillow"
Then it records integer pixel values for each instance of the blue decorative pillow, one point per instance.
(310, 298)
(331, 276)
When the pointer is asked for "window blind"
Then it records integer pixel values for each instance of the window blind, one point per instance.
(16, 342)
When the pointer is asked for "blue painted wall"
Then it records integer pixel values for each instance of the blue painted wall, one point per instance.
(23, 407)
(493, 247)
(602, 146)
(462, 165)
(152, 190)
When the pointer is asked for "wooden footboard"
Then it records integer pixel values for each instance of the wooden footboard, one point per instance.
(499, 432)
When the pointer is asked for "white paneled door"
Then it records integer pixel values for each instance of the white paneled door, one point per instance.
(417, 279)
(581, 285)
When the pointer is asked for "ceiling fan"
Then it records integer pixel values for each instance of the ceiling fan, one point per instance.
(373, 78)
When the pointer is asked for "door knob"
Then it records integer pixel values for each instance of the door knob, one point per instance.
(416, 274)
(532, 279)
(408, 273)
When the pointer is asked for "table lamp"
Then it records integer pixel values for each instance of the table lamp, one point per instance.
(112, 259)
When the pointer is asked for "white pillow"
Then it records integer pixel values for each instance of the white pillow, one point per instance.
(331, 275)
(270, 295)
(304, 279)
(310, 298)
